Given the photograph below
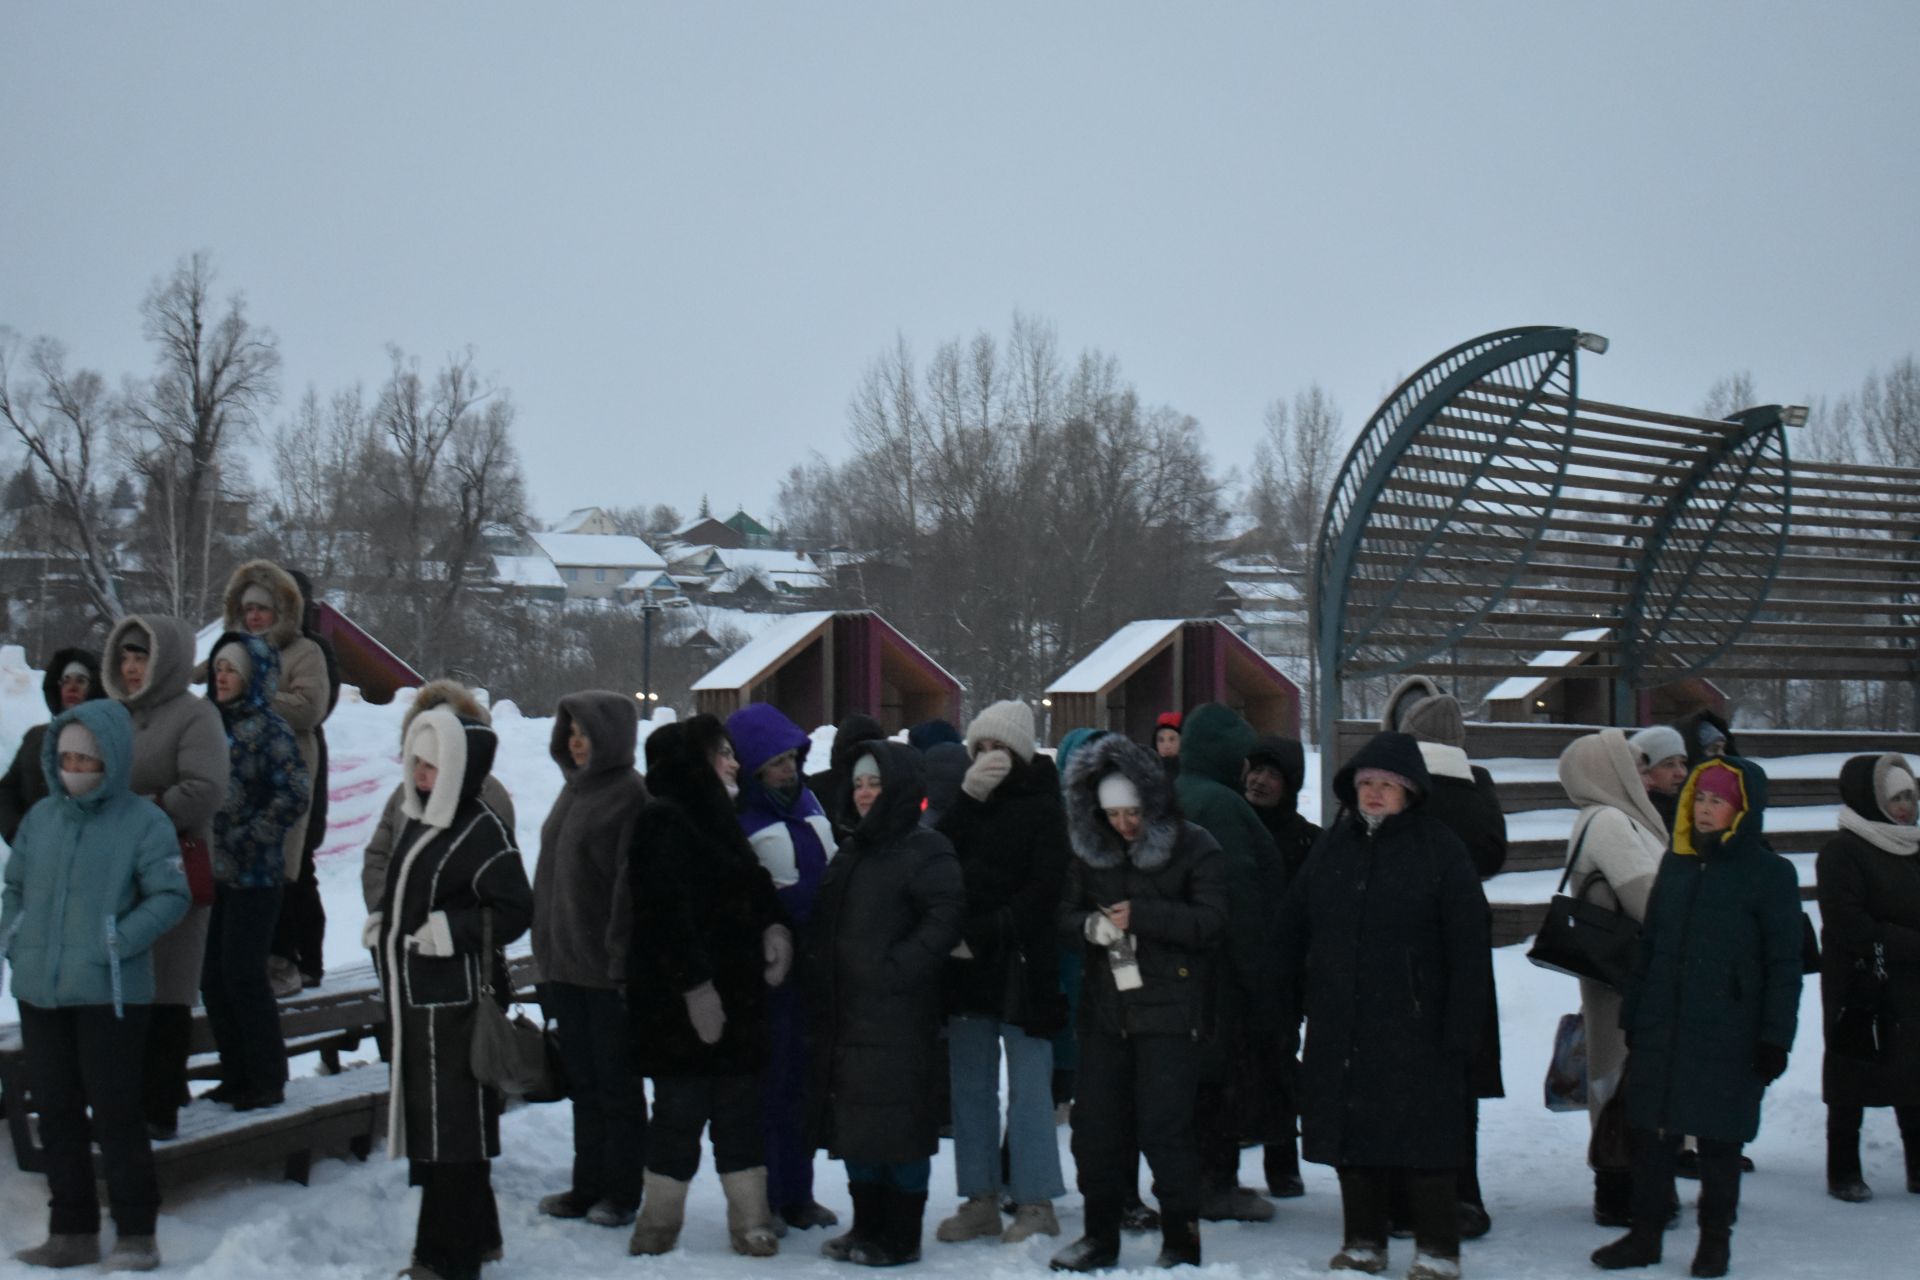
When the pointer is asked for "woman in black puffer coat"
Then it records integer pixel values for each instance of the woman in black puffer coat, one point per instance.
(888, 914)
(709, 940)
(1146, 899)
(1870, 918)
(1384, 950)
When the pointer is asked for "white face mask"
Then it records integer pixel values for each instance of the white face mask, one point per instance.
(79, 784)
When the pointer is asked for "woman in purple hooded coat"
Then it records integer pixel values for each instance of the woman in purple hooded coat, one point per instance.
(793, 839)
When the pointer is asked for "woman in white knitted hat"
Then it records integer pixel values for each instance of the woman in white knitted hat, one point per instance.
(1009, 828)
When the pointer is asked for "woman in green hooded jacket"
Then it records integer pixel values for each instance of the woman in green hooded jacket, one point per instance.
(94, 879)
(1710, 1009)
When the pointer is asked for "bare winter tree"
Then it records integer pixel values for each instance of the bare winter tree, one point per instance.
(216, 374)
(1728, 395)
(316, 462)
(1889, 414)
(446, 471)
(63, 418)
(1293, 468)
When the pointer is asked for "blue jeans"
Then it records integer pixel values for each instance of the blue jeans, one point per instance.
(973, 1051)
(911, 1176)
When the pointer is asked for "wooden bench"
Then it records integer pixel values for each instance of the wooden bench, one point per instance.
(337, 1109)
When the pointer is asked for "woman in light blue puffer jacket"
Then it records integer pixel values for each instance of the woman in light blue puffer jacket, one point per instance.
(94, 879)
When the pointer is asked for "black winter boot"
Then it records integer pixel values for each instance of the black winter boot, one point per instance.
(1179, 1240)
(1719, 1206)
(1099, 1248)
(897, 1241)
(1612, 1198)
(1637, 1248)
(869, 1210)
(1282, 1161)
(1711, 1257)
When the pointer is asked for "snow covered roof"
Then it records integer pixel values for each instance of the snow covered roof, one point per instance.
(1525, 686)
(577, 519)
(780, 570)
(659, 579)
(598, 550)
(765, 649)
(1116, 656)
(1276, 589)
(527, 571)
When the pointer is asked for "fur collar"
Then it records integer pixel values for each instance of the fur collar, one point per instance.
(1094, 841)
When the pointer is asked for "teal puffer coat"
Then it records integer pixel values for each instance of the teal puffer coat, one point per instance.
(93, 880)
(1718, 975)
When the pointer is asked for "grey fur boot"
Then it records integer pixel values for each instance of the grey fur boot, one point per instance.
(749, 1221)
(663, 1208)
(62, 1251)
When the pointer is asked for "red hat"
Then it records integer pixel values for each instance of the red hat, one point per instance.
(1717, 779)
(1168, 720)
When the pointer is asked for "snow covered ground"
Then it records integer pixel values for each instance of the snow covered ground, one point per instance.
(356, 1220)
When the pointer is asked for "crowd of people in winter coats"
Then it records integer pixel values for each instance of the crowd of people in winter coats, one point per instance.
(958, 932)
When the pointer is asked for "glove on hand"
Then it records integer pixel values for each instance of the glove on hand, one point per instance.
(776, 945)
(704, 1011)
(1769, 1062)
(370, 932)
(1102, 932)
(988, 770)
(434, 938)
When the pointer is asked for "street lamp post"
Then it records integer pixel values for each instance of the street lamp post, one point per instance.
(647, 696)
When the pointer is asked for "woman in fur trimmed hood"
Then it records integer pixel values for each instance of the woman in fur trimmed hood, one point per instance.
(263, 600)
(460, 700)
(1146, 898)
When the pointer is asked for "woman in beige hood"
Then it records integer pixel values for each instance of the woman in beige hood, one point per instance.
(1619, 836)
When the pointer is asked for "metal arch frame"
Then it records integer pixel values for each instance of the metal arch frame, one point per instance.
(1637, 642)
(1341, 533)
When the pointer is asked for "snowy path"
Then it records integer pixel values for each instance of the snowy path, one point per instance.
(357, 1220)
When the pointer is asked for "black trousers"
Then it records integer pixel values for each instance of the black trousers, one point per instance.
(300, 935)
(1136, 1093)
(459, 1220)
(1654, 1157)
(241, 1010)
(80, 1057)
(609, 1101)
(1843, 1139)
(684, 1106)
(1366, 1190)
(163, 1075)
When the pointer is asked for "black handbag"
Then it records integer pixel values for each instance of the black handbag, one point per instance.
(1582, 938)
(511, 1054)
(1860, 1028)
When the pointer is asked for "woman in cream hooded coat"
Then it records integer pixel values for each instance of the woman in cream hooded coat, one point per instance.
(1618, 836)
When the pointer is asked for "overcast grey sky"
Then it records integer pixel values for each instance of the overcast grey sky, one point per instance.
(680, 232)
